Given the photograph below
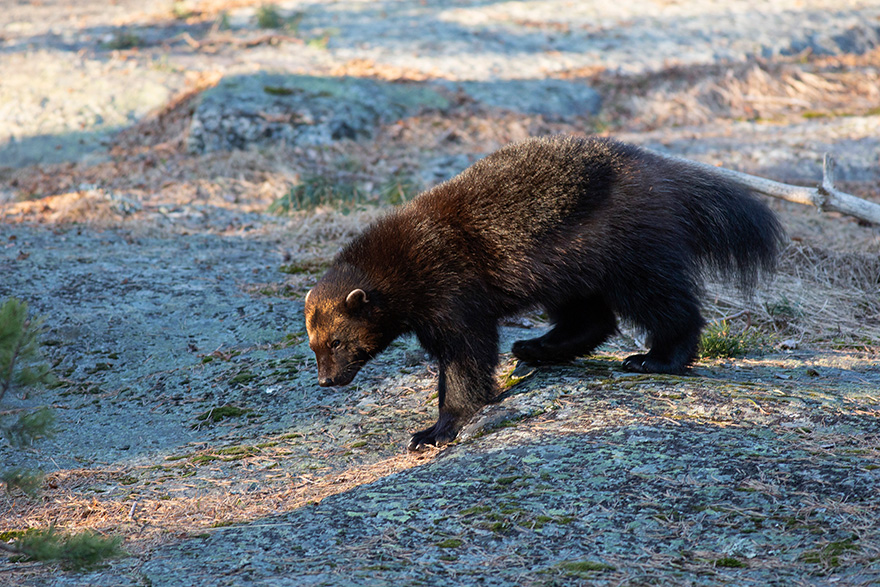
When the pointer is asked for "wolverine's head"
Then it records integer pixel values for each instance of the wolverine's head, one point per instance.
(344, 328)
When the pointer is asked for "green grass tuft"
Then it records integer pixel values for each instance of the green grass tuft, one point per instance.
(314, 191)
(269, 17)
(719, 342)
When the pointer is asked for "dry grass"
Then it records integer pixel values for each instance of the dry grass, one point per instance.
(781, 90)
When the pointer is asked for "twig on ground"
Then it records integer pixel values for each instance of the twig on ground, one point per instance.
(824, 197)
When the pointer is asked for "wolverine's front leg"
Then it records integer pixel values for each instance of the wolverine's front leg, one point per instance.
(466, 383)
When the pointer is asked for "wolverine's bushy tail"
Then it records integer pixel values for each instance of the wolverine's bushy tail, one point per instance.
(733, 232)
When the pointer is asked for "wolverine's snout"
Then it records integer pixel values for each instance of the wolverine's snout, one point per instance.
(339, 380)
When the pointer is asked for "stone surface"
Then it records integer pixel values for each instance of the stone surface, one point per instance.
(269, 109)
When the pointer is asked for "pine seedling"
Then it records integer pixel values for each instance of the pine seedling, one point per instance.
(83, 550)
(21, 362)
(30, 426)
(25, 480)
(22, 366)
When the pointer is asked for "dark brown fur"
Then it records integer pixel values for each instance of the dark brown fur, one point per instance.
(590, 229)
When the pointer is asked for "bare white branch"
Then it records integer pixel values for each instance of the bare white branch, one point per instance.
(825, 197)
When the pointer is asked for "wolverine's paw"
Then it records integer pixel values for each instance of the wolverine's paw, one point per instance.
(648, 364)
(534, 350)
(436, 435)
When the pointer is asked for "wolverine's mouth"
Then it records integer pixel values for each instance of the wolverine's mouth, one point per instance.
(343, 378)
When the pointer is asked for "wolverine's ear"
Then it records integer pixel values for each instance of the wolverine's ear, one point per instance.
(356, 299)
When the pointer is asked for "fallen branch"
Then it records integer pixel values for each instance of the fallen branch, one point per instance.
(213, 42)
(825, 196)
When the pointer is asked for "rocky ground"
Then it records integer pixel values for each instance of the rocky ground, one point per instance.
(174, 176)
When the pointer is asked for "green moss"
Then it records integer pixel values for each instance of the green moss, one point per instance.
(215, 415)
(237, 450)
(450, 543)
(243, 377)
(829, 555)
(584, 568)
(730, 562)
(204, 459)
(499, 527)
(477, 509)
(278, 90)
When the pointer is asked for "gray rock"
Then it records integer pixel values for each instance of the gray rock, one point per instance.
(554, 99)
(268, 108)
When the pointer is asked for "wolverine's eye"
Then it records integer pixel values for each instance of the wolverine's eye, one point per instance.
(335, 344)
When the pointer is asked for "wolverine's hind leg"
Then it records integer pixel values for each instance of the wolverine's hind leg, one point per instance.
(579, 326)
(674, 344)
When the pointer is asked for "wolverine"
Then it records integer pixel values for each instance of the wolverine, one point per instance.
(589, 229)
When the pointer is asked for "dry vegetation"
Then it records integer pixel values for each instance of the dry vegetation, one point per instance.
(771, 91)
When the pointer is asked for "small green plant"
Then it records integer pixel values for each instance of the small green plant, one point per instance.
(80, 551)
(269, 17)
(718, 341)
(123, 40)
(22, 366)
(301, 267)
(222, 23)
(398, 189)
(30, 426)
(316, 190)
(319, 42)
(21, 362)
(25, 480)
(784, 311)
(180, 11)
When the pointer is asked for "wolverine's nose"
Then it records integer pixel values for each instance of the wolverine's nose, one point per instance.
(325, 382)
